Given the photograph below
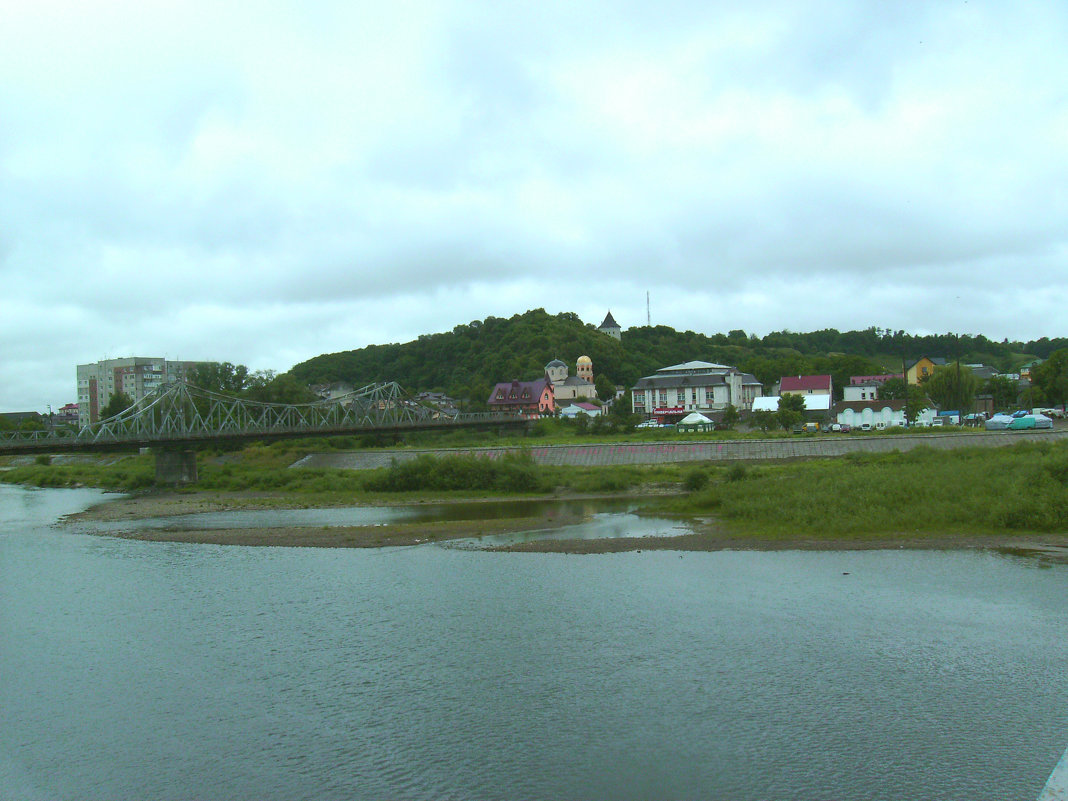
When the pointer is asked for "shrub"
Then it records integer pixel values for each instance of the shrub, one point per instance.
(695, 479)
(737, 472)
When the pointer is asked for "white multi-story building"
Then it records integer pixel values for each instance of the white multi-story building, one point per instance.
(693, 387)
(135, 376)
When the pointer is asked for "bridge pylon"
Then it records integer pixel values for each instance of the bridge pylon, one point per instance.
(175, 466)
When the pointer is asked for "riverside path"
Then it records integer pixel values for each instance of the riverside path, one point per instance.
(712, 450)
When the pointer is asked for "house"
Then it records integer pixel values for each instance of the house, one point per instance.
(575, 409)
(68, 413)
(332, 391)
(877, 413)
(672, 392)
(442, 405)
(529, 398)
(1026, 369)
(983, 372)
(922, 368)
(861, 392)
(880, 379)
(806, 385)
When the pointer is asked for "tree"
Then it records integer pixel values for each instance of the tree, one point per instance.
(764, 420)
(266, 387)
(952, 388)
(791, 410)
(119, 403)
(1004, 391)
(897, 389)
(893, 389)
(730, 416)
(606, 390)
(917, 402)
(1051, 377)
(224, 377)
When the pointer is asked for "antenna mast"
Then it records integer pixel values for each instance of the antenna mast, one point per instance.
(648, 317)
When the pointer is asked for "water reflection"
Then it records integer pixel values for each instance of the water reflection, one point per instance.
(547, 510)
(612, 525)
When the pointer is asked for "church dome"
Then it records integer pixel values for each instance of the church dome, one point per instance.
(555, 363)
(584, 360)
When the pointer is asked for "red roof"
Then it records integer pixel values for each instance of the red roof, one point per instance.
(804, 383)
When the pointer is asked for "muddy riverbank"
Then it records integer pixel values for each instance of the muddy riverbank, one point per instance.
(702, 534)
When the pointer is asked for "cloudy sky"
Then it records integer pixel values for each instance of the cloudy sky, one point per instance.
(264, 182)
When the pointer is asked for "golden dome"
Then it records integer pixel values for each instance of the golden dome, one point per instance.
(584, 360)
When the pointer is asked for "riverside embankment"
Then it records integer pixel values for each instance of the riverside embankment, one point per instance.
(711, 450)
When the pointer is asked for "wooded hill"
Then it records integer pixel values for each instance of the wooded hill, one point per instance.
(467, 361)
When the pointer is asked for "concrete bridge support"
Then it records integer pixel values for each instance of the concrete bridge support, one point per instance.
(176, 467)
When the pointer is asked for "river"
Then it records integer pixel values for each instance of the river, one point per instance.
(134, 670)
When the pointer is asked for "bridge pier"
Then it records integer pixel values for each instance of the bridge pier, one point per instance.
(176, 467)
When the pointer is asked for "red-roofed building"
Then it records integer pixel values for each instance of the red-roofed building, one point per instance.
(530, 398)
(806, 385)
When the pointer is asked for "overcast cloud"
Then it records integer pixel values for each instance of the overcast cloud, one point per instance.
(262, 183)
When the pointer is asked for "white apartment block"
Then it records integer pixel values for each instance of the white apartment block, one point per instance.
(136, 376)
(694, 387)
(861, 392)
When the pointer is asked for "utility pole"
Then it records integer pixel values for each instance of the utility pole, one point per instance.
(905, 378)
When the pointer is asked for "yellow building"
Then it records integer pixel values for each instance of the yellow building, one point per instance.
(923, 368)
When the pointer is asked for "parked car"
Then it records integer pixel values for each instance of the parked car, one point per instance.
(865, 426)
(1018, 423)
(999, 422)
(648, 424)
(845, 429)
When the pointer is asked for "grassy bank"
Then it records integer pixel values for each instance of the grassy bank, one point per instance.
(265, 469)
(1023, 488)
(922, 493)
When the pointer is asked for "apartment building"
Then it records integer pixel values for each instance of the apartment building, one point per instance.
(136, 376)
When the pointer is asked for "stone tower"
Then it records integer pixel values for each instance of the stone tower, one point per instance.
(610, 327)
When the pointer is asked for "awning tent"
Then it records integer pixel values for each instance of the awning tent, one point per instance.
(695, 421)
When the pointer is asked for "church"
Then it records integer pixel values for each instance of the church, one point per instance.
(570, 388)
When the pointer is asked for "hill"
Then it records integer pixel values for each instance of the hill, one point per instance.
(467, 361)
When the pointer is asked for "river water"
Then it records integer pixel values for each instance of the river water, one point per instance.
(134, 670)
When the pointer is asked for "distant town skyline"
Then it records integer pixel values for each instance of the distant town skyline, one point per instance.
(197, 182)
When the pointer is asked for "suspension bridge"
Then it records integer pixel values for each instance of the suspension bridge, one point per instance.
(179, 415)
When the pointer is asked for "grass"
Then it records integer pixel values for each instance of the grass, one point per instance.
(973, 491)
(966, 491)
(266, 469)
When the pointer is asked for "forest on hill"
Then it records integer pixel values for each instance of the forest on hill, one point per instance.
(467, 361)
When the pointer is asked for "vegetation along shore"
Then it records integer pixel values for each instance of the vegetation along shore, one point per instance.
(1009, 496)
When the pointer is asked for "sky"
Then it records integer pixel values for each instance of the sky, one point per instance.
(264, 182)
